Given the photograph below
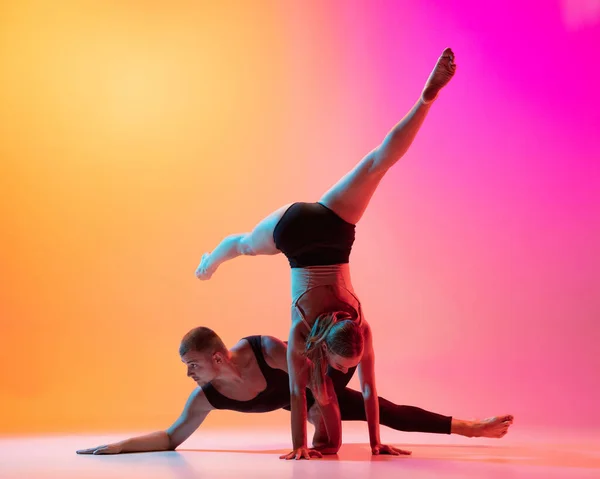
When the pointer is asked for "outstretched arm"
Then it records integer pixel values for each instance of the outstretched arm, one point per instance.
(194, 413)
(258, 242)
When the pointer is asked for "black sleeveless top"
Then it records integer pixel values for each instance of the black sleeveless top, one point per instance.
(310, 234)
(277, 393)
(275, 396)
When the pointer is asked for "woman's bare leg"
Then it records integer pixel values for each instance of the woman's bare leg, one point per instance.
(350, 196)
(257, 242)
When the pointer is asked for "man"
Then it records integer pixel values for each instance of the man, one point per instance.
(252, 377)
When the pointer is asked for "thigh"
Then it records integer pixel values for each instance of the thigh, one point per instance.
(339, 379)
(260, 240)
(352, 405)
(350, 196)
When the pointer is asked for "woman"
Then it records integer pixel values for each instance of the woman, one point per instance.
(328, 332)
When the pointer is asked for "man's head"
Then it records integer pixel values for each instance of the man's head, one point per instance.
(204, 354)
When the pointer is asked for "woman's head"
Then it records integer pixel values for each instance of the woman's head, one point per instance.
(335, 339)
(344, 344)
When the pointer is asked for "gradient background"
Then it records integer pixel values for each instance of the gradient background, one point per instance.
(134, 135)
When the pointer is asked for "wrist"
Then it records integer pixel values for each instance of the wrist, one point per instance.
(299, 440)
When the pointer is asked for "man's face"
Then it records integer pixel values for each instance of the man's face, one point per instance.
(201, 367)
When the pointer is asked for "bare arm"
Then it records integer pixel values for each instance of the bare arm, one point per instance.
(194, 413)
(275, 352)
(298, 370)
(366, 375)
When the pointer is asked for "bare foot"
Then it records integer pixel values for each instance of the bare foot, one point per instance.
(204, 270)
(440, 76)
(492, 427)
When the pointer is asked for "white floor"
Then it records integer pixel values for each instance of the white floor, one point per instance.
(253, 454)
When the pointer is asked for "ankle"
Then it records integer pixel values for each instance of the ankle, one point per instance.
(427, 98)
(462, 428)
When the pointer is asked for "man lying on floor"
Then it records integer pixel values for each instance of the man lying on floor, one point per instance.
(252, 377)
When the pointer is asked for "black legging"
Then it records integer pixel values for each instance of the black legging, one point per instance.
(401, 418)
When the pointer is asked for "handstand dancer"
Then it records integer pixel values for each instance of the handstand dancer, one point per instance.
(328, 326)
(252, 378)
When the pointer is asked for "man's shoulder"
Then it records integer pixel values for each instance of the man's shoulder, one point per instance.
(274, 351)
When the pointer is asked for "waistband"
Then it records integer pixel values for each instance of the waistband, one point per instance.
(304, 279)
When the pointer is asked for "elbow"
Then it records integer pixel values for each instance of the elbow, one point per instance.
(368, 391)
(170, 445)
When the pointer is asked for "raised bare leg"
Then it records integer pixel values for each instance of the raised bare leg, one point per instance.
(351, 195)
(258, 242)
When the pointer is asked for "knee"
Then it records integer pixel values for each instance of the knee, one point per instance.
(329, 450)
(312, 415)
(244, 244)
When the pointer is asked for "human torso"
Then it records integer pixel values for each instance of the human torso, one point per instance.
(260, 389)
